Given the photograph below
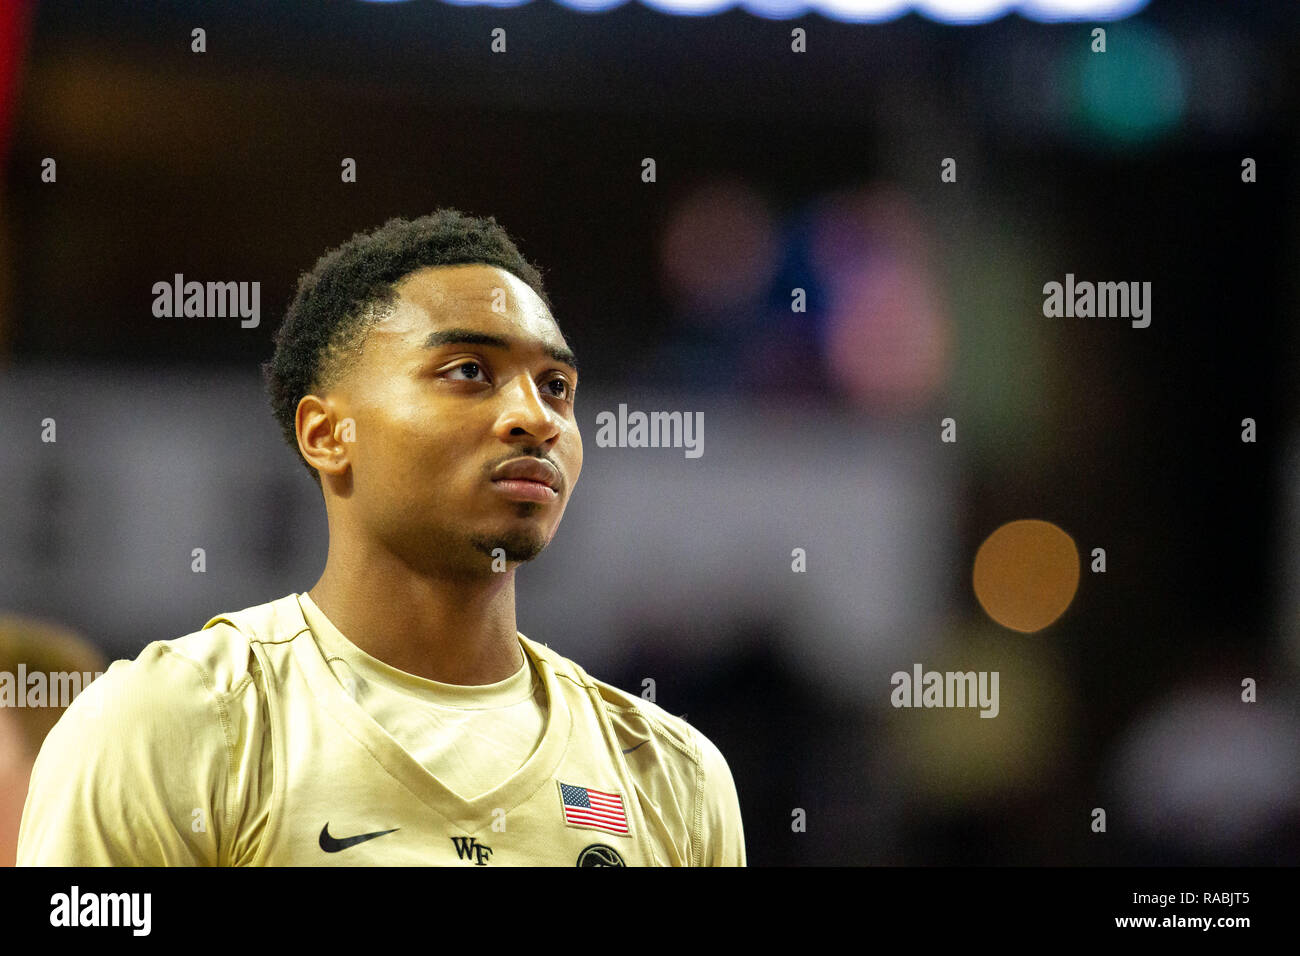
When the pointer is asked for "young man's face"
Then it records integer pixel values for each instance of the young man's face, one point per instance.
(436, 413)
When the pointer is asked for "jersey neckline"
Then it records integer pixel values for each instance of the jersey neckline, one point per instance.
(470, 814)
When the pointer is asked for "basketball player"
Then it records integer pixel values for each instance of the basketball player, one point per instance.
(393, 714)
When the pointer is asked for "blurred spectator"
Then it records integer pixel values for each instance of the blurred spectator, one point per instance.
(46, 648)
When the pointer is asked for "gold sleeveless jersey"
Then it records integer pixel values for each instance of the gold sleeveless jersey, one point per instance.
(237, 746)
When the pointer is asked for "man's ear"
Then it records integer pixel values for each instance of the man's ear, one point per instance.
(324, 439)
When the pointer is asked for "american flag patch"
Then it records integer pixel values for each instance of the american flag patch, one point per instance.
(584, 807)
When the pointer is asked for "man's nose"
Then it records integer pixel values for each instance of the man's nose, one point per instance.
(526, 409)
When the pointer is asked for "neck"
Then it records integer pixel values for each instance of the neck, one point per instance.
(453, 629)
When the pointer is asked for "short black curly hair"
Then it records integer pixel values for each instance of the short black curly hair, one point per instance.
(351, 287)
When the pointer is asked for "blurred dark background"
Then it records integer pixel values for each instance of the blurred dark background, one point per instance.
(775, 170)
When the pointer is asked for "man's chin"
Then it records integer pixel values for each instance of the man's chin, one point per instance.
(512, 546)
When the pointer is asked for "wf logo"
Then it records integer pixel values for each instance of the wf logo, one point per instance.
(468, 848)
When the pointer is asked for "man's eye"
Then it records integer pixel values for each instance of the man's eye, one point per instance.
(472, 370)
(566, 390)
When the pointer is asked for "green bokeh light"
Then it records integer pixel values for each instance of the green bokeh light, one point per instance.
(1134, 92)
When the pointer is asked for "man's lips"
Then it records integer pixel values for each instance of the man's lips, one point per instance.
(528, 469)
(525, 490)
(527, 479)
